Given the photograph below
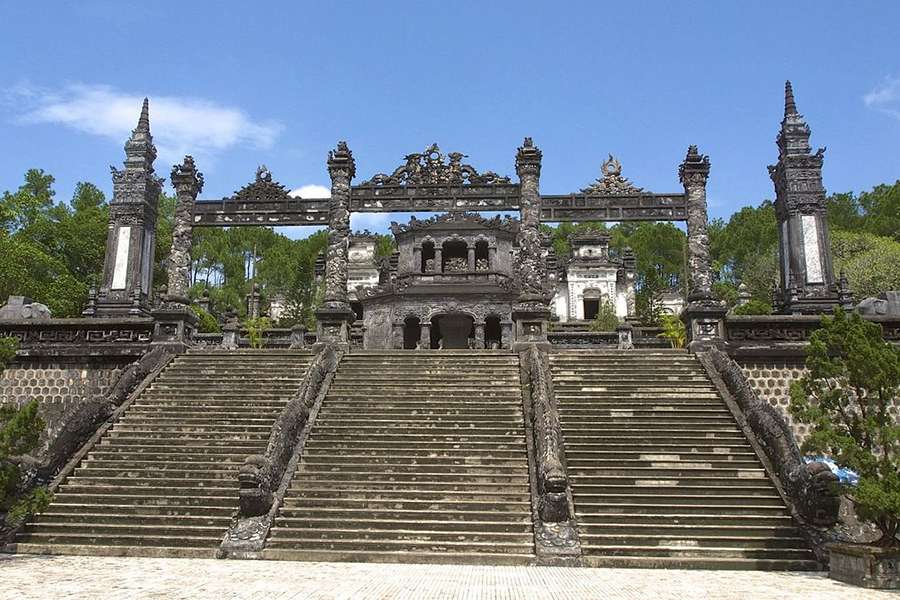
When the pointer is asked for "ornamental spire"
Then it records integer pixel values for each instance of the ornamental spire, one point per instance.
(790, 107)
(144, 119)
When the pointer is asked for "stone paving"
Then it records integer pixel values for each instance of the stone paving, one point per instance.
(96, 578)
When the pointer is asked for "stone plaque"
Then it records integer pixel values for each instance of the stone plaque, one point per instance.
(811, 249)
(120, 271)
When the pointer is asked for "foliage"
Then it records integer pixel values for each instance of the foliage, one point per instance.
(673, 330)
(749, 233)
(255, 330)
(876, 212)
(870, 262)
(20, 431)
(207, 323)
(31, 503)
(28, 270)
(8, 348)
(753, 307)
(605, 319)
(725, 291)
(384, 245)
(853, 381)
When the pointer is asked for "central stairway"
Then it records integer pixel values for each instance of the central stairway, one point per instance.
(662, 476)
(415, 456)
(162, 481)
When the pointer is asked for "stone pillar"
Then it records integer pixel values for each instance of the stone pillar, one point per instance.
(704, 316)
(253, 302)
(418, 267)
(334, 316)
(479, 336)
(298, 339)
(531, 312)
(807, 283)
(471, 259)
(188, 182)
(131, 238)
(438, 259)
(626, 339)
(231, 331)
(425, 336)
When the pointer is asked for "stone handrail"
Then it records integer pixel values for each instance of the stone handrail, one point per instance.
(811, 488)
(263, 478)
(553, 484)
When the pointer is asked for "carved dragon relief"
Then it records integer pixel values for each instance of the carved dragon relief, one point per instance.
(432, 168)
(611, 183)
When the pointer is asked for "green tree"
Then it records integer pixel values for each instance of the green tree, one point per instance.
(20, 430)
(735, 245)
(870, 262)
(852, 383)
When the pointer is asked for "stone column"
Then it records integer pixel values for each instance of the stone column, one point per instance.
(175, 324)
(531, 312)
(704, 315)
(438, 259)
(334, 316)
(471, 258)
(425, 336)
(479, 336)
(188, 182)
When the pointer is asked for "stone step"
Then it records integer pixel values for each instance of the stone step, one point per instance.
(61, 519)
(461, 459)
(710, 508)
(154, 488)
(410, 504)
(139, 538)
(365, 468)
(449, 515)
(370, 493)
(102, 497)
(588, 497)
(750, 490)
(372, 535)
(595, 540)
(160, 480)
(486, 483)
(652, 432)
(373, 402)
(151, 469)
(213, 439)
(497, 441)
(580, 464)
(686, 551)
(593, 517)
(699, 478)
(126, 512)
(334, 444)
(488, 414)
(164, 456)
(418, 557)
(493, 546)
(188, 528)
(674, 471)
(742, 453)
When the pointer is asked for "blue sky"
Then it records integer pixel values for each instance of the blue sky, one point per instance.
(237, 84)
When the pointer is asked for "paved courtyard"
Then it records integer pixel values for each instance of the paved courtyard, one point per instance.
(69, 577)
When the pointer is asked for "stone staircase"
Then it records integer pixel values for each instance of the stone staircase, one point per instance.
(662, 476)
(414, 456)
(162, 481)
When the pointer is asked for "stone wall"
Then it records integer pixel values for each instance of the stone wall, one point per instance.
(58, 385)
(771, 378)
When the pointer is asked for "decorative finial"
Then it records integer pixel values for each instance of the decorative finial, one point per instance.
(790, 107)
(144, 120)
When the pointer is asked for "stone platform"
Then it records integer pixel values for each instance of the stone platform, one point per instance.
(26, 577)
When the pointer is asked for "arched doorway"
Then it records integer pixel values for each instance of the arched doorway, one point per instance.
(412, 333)
(452, 331)
(493, 333)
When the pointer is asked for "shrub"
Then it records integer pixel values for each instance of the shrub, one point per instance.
(853, 381)
(673, 330)
(605, 319)
(753, 307)
(208, 323)
(255, 330)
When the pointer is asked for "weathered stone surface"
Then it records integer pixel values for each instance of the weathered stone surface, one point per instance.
(21, 307)
(188, 182)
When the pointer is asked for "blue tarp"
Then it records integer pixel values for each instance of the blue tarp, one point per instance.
(846, 476)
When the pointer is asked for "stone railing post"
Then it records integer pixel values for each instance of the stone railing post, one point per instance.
(704, 316)
(335, 315)
(625, 332)
(298, 333)
(425, 336)
(531, 312)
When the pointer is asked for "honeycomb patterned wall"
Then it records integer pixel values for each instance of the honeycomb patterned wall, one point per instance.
(772, 382)
(56, 386)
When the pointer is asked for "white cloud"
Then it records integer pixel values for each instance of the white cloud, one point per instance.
(180, 125)
(885, 97)
(311, 191)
